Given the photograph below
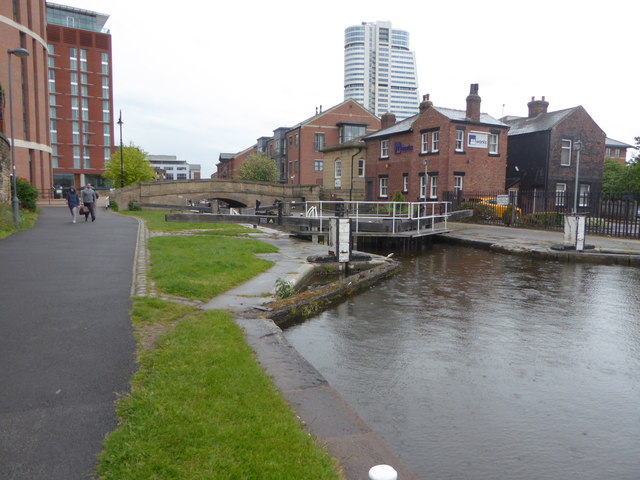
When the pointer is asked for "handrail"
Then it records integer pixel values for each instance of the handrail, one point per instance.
(423, 213)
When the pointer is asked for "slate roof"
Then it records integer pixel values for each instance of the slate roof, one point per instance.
(452, 114)
(610, 142)
(539, 123)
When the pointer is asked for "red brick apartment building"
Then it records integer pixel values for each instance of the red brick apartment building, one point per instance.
(297, 150)
(80, 95)
(438, 150)
(23, 26)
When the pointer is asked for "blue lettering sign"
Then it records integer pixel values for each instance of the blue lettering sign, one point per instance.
(399, 148)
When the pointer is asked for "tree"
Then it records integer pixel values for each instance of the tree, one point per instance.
(259, 168)
(619, 179)
(136, 166)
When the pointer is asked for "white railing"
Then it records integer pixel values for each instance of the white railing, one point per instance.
(424, 214)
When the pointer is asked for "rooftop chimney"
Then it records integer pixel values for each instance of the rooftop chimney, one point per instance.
(536, 107)
(387, 120)
(473, 104)
(425, 104)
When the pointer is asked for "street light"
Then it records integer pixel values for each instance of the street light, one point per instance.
(121, 157)
(577, 146)
(20, 53)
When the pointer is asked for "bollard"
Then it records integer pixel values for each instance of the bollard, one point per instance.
(383, 472)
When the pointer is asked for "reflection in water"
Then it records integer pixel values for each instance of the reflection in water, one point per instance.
(474, 365)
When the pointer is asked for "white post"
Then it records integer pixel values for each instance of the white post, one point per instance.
(383, 472)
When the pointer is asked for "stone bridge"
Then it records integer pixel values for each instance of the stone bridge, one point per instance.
(235, 193)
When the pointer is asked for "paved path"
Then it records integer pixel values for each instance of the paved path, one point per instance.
(66, 342)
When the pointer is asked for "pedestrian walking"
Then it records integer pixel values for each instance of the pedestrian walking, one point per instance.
(89, 198)
(73, 200)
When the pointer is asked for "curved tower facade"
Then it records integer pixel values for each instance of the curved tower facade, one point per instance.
(23, 26)
(380, 69)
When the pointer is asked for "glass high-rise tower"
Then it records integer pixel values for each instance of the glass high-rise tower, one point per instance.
(380, 70)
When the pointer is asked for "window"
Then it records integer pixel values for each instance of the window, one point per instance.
(423, 186)
(565, 154)
(349, 132)
(384, 149)
(424, 143)
(318, 142)
(617, 154)
(52, 81)
(338, 169)
(459, 140)
(86, 155)
(73, 59)
(384, 186)
(561, 191)
(107, 154)
(85, 109)
(405, 182)
(457, 183)
(75, 132)
(83, 60)
(105, 63)
(434, 187)
(435, 142)
(105, 87)
(106, 114)
(361, 167)
(76, 157)
(585, 190)
(297, 139)
(493, 144)
(608, 152)
(54, 131)
(318, 165)
(107, 135)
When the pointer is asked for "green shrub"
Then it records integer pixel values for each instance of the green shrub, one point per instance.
(284, 289)
(509, 215)
(113, 205)
(479, 209)
(543, 219)
(27, 195)
(132, 207)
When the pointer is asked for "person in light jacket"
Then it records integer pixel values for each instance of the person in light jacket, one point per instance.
(89, 198)
(73, 200)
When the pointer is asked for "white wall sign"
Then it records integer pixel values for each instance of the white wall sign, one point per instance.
(478, 140)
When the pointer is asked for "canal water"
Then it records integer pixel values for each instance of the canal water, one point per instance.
(477, 365)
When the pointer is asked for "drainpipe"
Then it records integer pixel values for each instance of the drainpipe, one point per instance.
(352, 162)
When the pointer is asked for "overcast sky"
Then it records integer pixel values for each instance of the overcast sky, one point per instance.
(196, 78)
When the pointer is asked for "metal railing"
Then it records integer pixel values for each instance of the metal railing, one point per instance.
(399, 216)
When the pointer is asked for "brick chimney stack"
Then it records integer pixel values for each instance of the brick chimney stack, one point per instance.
(473, 104)
(536, 107)
(425, 104)
(387, 120)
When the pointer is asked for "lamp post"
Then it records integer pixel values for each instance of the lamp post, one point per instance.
(20, 53)
(577, 146)
(121, 157)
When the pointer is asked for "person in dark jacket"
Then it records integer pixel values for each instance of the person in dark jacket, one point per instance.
(89, 198)
(73, 200)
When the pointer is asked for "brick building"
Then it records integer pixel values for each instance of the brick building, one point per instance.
(305, 141)
(80, 95)
(23, 26)
(436, 151)
(616, 150)
(542, 152)
(298, 151)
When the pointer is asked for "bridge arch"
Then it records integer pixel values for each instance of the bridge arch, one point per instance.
(237, 192)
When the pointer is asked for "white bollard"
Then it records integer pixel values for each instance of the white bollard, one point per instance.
(383, 472)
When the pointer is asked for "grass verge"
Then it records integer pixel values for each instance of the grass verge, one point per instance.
(156, 223)
(27, 220)
(203, 267)
(202, 408)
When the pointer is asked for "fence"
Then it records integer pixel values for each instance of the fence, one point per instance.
(617, 216)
